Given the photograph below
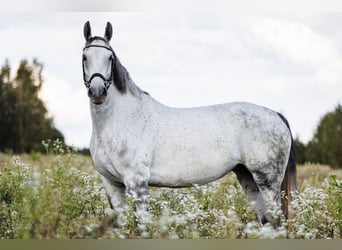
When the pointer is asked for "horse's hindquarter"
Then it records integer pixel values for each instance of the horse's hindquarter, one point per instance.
(199, 145)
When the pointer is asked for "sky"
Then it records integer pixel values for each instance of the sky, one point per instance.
(290, 62)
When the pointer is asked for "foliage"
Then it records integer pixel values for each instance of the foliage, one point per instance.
(23, 117)
(326, 145)
(60, 195)
(300, 149)
(318, 211)
(50, 202)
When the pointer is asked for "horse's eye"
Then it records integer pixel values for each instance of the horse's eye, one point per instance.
(111, 58)
(84, 58)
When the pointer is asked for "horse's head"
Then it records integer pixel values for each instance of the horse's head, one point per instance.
(98, 62)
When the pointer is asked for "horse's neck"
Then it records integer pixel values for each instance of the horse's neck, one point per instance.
(116, 110)
(101, 114)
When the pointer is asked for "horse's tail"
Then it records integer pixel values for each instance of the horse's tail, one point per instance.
(289, 183)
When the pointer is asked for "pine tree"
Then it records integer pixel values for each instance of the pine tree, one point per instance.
(24, 119)
(300, 149)
(7, 109)
(326, 145)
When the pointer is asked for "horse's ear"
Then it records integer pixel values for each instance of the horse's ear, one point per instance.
(109, 32)
(87, 31)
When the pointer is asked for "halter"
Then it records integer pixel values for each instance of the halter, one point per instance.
(107, 82)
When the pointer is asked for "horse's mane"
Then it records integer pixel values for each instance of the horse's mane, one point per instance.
(123, 81)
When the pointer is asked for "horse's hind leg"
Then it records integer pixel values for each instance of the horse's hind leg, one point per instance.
(268, 180)
(252, 191)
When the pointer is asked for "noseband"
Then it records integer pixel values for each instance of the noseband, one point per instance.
(107, 82)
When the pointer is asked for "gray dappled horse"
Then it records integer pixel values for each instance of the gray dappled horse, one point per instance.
(138, 142)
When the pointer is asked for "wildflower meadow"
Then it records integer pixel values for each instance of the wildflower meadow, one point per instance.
(59, 195)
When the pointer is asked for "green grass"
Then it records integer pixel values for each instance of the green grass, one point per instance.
(60, 195)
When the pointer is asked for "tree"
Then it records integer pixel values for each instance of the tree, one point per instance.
(300, 149)
(7, 108)
(326, 145)
(24, 120)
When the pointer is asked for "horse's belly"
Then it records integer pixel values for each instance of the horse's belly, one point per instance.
(191, 156)
(187, 171)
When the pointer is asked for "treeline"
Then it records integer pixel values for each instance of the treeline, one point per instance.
(326, 145)
(24, 120)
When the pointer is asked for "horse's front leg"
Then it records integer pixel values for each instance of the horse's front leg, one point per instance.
(137, 188)
(115, 193)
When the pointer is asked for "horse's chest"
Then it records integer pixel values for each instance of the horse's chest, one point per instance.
(111, 158)
(103, 164)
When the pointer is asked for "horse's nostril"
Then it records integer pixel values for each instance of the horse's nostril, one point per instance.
(90, 92)
(104, 92)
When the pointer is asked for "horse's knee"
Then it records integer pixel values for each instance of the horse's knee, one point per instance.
(138, 191)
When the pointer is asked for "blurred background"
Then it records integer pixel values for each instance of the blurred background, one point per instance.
(290, 62)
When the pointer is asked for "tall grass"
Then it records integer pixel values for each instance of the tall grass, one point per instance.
(60, 195)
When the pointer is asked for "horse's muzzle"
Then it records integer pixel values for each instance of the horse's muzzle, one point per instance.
(97, 101)
(97, 95)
